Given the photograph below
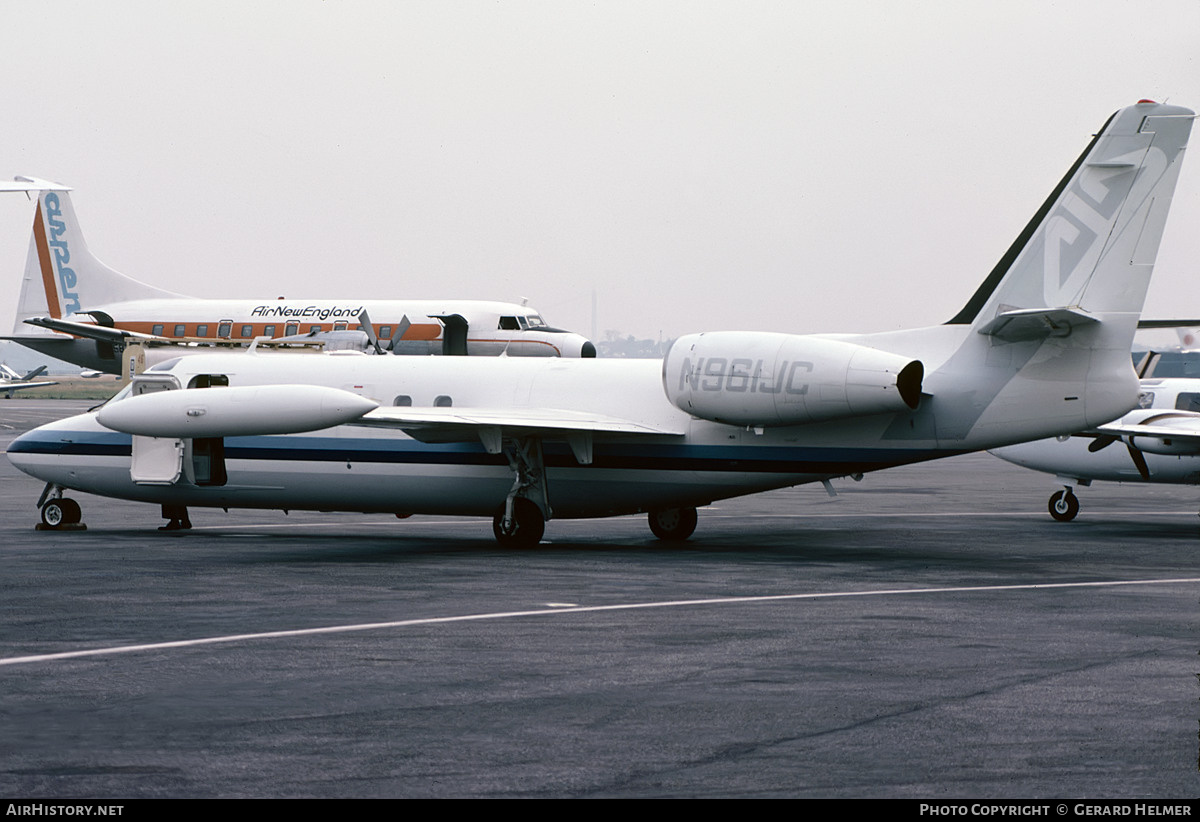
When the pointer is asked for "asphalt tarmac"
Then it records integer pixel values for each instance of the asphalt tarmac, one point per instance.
(929, 633)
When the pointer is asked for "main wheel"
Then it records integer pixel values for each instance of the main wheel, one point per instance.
(527, 527)
(59, 512)
(673, 524)
(1064, 506)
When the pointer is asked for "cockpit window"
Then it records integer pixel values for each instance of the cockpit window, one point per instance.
(509, 324)
(536, 321)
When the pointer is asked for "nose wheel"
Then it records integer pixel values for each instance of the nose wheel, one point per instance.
(1064, 506)
(61, 512)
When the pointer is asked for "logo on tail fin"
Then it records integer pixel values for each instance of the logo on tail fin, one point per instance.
(1084, 225)
(62, 255)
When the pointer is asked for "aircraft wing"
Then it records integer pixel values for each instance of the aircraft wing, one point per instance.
(1173, 428)
(17, 386)
(95, 332)
(491, 425)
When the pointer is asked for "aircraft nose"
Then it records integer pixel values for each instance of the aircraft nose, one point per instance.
(587, 350)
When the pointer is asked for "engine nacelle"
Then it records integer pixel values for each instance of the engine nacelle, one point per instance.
(760, 378)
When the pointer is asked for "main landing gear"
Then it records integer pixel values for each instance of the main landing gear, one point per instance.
(527, 506)
(1064, 505)
(523, 529)
(673, 524)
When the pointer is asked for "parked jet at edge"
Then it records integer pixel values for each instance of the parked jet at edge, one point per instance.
(11, 381)
(67, 290)
(1042, 348)
(1159, 442)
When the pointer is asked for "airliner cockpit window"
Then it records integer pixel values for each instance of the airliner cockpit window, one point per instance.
(535, 321)
(509, 324)
(1187, 401)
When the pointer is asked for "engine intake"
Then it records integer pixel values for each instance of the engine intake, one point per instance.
(762, 378)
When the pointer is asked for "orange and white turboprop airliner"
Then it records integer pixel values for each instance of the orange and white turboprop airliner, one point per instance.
(89, 313)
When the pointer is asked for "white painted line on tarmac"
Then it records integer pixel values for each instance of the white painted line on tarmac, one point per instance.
(561, 611)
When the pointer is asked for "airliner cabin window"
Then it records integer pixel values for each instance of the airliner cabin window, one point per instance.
(269, 331)
(247, 331)
(290, 329)
(443, 402)
(202, 331)
(181, 330)
(224, 329)
(385, 332)
(157, 330)
(403, 401)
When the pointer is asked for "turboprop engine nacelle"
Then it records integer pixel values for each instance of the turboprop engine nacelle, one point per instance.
(760, 378)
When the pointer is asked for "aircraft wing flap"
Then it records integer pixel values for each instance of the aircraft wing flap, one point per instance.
(1024, 324)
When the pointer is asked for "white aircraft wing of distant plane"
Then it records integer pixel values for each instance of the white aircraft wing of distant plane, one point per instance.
(11, 381)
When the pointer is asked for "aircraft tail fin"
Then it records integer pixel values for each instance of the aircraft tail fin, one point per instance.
(1051, 328)
(62, 277)
(1091, 247)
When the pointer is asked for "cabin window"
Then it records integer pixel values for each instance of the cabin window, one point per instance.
(208, 381)
(443, 402)
(509, 324)
(313, 329)
(224, 329)
(1188, 401)
(269, 331)
(290, 329)
(247, 331)
(157, 330)
(339, 326)
(403, 401)
(385, 332)
(181, 330)
(202, 331)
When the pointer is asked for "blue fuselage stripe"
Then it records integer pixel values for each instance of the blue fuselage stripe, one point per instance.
(658, 457)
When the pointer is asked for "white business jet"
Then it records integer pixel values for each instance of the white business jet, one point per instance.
(11, 381)
(89, 313)
(1040, 349)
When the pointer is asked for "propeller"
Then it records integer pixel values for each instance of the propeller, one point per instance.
(1139, 460)
(364, 322)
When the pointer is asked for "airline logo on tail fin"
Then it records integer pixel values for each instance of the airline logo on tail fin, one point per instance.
(1093, 242)
(54, 257)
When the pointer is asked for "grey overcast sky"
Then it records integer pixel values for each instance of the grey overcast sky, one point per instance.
(791, 166)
